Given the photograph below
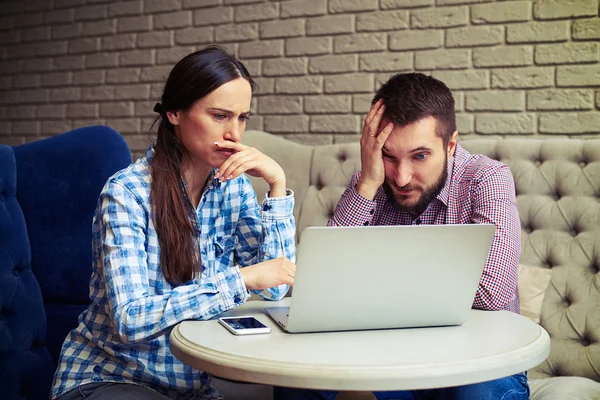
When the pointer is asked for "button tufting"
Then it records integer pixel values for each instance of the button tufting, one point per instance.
(17, 270)
(538, 163)
(342, 157)
(582, 164)
(585, 342)
(594, 268)
(574, 233)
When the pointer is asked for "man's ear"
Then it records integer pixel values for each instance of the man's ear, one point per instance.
(173, 117)
(452, 144)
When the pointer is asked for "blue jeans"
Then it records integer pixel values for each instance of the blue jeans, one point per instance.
(513, 387)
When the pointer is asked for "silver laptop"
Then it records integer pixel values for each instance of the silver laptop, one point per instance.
(378, 277)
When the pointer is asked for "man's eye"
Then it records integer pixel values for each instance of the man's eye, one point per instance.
(220, 117)
(421, 156)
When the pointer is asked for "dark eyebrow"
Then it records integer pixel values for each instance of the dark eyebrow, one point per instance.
(420, 148)
(224, 111)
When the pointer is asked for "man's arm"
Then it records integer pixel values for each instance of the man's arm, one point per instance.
(495, 203)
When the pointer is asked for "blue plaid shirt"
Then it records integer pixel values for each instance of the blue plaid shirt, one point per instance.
(123, 336)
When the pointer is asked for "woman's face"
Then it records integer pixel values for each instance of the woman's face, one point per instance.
(219, 116)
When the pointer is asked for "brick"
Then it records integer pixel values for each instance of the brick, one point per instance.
(567, 53)
(98, 28)
(59, 16)
(179, 19)
(69, 62)
(333, 64)
(65, 95)
(10, 140)
(534, 32)
(11, 67)
(360, 42)
(52, 111)
(53, 128)
(287, 123)
(123, 8)
(285, 66)
(200, 3)
(132, 92)
(85, 45)
(5, 84)
(27, 20)
(68, 3)
(26, 81)
(382, 21)
(172, 55)
(155, 73)
(123, 75)
(262, 49)
(567, 99)
(10, 37)
(21, 112)
(282, 28)
(238, 32)
(22, 51)
(97, 93)
(35, 34)
(495, 100)
(82, 110)
(51, 48)
(264, 85)
(126, 126)
(57, 79)
(465, 123)
(156, 39)
(310, 46)
(330, 25)
(257, 12)
(117, 109)
(586, 29)
(442, 59)
(312, 139)
(349, 83)
(241, 1)
(33, 96)
(89, 77)
(578, 76)
(455, 2)
(361, 103)
(391, 4)
(119, 42)
(504, 56)
(26, 128)
(339, 124)
(193, 35)
(213, 16)
(102, 60)
(156, 6)
(557, 9)
(280, 105)
(254, 67)
(509, 11)
(345, 6)
(303, 8)
(446, 17)
(522, 78)
(505, 124)
(80, 123)
(135, 24)
(141, 108)
(570, 123)
(415, 40)
(462, 80)
(137, 58)
(91, 13)
(299, 85)
(392, 62)
(475, 36)
(333, 104)
(67, 31)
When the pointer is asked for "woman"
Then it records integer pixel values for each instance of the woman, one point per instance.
(168, 235)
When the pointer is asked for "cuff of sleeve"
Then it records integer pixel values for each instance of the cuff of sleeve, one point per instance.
(278, 207)
(356, 210)
(234, 293)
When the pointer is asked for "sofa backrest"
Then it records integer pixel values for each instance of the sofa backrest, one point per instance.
(558, 190)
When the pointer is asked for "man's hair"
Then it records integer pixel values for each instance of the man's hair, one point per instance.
(410, 97)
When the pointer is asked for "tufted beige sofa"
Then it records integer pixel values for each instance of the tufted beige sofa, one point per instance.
(558, 190)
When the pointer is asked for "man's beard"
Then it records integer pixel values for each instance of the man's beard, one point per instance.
(427, 195)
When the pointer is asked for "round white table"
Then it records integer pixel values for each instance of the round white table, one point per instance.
(488, 346)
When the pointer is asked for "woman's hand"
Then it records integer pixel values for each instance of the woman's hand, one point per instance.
(254, 163)
(268, 274)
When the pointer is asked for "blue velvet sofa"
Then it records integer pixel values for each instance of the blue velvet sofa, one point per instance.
(48, 193)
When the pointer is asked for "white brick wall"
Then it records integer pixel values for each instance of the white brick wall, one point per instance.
(516, 67)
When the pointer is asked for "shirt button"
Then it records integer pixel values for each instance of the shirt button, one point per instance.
(372, 212)
(366, 223)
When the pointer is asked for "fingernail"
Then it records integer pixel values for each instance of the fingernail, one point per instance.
(217, 143)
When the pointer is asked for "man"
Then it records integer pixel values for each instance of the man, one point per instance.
(414, 172)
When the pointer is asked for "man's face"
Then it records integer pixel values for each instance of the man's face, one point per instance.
(416, 164)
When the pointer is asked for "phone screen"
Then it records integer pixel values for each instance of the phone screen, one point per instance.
(244, 323)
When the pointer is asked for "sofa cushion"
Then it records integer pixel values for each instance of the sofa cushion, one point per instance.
(26, 367)
(564, 387)
(533, 282)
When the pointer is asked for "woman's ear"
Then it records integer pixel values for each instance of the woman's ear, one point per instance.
(173, 117)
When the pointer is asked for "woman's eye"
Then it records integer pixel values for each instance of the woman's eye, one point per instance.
(244, 118)
(220, 117)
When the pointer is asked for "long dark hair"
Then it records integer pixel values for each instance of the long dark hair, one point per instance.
(193, 77)
(413, 96)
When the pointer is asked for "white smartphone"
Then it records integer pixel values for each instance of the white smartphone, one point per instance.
(245, 325)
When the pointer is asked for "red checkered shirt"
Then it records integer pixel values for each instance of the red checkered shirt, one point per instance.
(478, 190)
